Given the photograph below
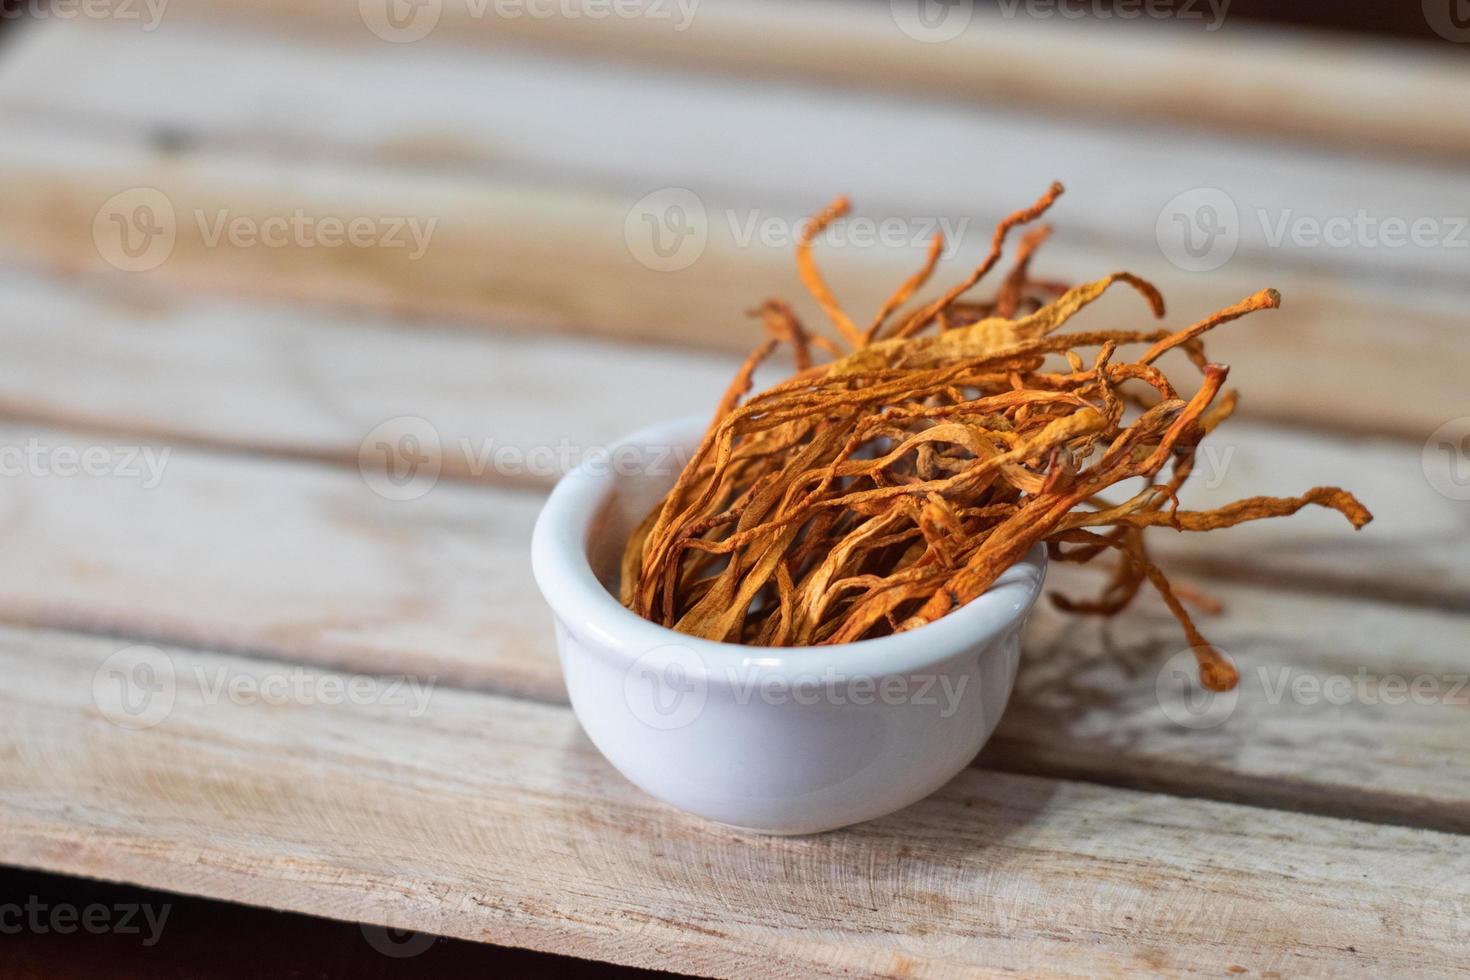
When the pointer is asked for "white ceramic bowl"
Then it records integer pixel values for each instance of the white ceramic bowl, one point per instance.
(781, 740)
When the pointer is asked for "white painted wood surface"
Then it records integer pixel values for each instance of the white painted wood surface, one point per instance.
(296, 381)
(504, 252)
(510, 409)
(770, 144)
(495, 820)
(530, 141)
(1254, 82)
(302, 561)
(544, 179)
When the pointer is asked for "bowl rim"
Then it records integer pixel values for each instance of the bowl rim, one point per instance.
(563, 572)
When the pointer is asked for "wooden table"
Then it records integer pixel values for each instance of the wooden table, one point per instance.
(260, 596)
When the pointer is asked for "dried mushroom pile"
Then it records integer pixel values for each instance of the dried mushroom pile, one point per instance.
(877, 491)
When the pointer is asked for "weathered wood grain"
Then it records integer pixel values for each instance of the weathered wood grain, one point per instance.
(295, 381)
(511, 248)
(497, 250)
(462, 820)
(302, 561)
(1345, 707)
(1283, 85)
(494, 820)
(515, 410)
(578, 122)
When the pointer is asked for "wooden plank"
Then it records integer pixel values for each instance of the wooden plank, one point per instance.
(286, 380)
(582, 122)
(507, 409)
(304, 562)
(1277, 84)
(1346, 707)
(301, 561)
(495, 820)
(503, 251)
(506, 250)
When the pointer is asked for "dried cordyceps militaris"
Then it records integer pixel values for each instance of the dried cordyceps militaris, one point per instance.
(876, 492)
